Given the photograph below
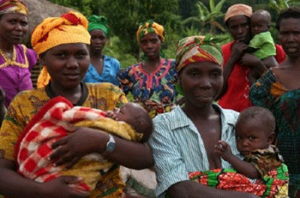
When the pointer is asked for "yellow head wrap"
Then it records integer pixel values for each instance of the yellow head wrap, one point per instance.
(53, 31)
(13, 6)
(238, 9)
(150, 27)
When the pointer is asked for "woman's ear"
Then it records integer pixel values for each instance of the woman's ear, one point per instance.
(271, 138)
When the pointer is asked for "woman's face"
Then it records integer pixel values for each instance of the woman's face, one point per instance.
(239, 28)
(150, 45)
(13, 27)
(201, 82)
(289, 36)
(67, 64)
(98, 40)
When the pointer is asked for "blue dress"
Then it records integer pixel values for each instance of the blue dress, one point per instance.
(111, 67)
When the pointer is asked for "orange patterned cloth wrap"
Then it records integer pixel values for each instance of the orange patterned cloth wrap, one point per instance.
(150, 27)
(197, 49)
(13, 6)
(53, 31)
(55, 120)
(237, 10)
(273, 184)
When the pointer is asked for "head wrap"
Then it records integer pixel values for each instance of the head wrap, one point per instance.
(98, 22)
(238, 9)
(13, 6)
(53, 31)
(150, 27)
(197, 49)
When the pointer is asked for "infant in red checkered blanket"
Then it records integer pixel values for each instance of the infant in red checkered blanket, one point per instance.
(57, 119)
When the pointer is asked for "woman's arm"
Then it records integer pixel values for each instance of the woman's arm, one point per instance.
(253, 62)
(127, 153)
(14, 185)
(2, 105)
(238, 49)
(190, 189)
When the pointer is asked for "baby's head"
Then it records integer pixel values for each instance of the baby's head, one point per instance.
(137, 117)
(260, 22)
(254, 129)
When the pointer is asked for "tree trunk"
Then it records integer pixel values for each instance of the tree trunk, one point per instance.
(38, 11)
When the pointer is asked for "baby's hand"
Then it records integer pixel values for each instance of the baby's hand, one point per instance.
(111, 114)
(223, 149)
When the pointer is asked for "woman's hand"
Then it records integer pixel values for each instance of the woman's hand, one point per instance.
(70, 149)
(60, 187)
(238, 49)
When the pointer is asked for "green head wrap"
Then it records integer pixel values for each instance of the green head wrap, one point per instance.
(98, 22)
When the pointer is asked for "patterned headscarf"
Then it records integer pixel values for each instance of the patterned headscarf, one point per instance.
(237, 10)
(197, 49)
(53, 31)
(150, 27)
(13, 6)
(98, 22)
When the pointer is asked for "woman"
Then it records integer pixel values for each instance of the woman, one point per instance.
(151, 82)
(279, 90)
(16, 60)
(102, 68)
(184, 139)
(62, 45)
(237, 62)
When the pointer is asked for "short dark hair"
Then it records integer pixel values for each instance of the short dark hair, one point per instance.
(263, 114)
(143, 124)
(292, 12)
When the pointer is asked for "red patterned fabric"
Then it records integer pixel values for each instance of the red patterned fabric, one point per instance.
(54, 121)
(273, 184)
(237, 94)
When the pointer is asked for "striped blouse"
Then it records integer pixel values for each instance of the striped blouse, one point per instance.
(178, 147)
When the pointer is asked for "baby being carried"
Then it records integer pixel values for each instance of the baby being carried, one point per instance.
(57, 119)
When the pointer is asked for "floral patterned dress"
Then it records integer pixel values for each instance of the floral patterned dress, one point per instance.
(268, 92)
(155, 91)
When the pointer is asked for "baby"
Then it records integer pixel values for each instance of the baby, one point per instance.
(262, 44)
(57, 119)
(254, 137)
(134, 115)
(262, 163)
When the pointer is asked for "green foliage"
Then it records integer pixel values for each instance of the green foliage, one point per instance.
(86, 7)
(180, 18)
(279, 5)
(112, 49)
(125, 15)
(208, 16)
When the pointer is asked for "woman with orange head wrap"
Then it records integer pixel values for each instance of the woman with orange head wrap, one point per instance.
(102, 68)
(62, 46)
(151, 81)
(16, 60)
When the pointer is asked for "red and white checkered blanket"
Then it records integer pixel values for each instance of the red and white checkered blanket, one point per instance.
(54, 121)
